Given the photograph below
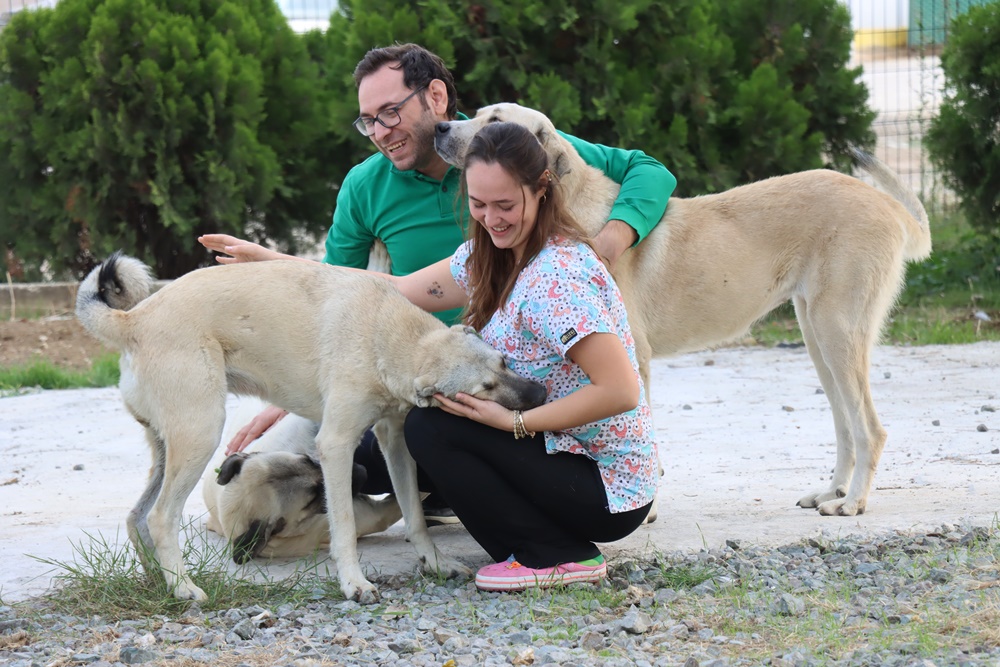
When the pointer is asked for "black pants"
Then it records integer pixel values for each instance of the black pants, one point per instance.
(511, 495)
(370, 456)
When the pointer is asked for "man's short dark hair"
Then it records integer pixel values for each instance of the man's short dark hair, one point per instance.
(419, 67)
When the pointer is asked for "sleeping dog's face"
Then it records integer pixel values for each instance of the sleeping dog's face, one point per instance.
(265, 494)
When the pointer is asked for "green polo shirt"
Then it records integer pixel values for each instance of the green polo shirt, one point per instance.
(421, 220)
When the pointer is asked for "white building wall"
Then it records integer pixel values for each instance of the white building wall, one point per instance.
(878, 14)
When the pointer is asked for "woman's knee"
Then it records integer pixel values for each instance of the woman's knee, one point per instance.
(422, 430)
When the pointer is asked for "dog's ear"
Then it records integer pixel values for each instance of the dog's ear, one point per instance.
(317, 505)
(252, 542)
(558, 166)
(424, 389)
(230, 468)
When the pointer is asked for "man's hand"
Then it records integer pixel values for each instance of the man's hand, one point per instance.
(612, 242)
(237, 250)
(257, 427)
(485, 412)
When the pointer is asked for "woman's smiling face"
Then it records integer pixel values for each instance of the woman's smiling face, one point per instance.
(505, 208)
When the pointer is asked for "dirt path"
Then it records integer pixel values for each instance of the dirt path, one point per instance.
(60, 339)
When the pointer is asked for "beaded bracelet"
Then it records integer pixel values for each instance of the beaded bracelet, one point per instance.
(519, 430)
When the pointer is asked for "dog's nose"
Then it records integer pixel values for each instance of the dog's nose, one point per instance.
(443, 128)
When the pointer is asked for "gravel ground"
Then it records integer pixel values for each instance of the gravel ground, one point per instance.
(929, 598)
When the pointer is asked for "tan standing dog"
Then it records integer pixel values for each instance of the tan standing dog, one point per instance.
(341, 348)
(833, 245)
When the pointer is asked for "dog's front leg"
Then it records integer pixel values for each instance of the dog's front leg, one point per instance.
(403, 473)
(336, 443)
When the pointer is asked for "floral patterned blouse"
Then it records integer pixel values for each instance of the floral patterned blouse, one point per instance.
(564, 294)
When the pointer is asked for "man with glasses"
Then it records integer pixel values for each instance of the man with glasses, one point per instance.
(405, 196)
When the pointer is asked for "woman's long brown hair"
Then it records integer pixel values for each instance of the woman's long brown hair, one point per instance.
(493, 271)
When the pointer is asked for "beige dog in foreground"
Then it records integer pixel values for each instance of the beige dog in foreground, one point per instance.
(834, 246)
(341, 348)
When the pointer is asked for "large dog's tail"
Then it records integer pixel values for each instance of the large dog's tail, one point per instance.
(918, 246)
(115, 286)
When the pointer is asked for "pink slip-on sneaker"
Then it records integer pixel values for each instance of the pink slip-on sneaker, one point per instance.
(512, 576)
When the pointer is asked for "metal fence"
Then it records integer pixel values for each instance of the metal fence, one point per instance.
(8, 7)
(898, 46)
(306, 15)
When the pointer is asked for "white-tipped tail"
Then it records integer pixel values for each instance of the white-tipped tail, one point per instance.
(918, 245)
(116, 285)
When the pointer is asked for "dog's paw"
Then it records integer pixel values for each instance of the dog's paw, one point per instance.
(445, 566)
(185, 590)
(365, 593)
(842, 507)
(817, 499)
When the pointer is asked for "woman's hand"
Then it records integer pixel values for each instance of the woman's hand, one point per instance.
(237, 249)
(485, 412)
(257, 427)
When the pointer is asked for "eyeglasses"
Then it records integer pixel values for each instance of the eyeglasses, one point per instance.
(388, 118)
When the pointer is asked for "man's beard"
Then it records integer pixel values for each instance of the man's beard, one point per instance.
(422, 153)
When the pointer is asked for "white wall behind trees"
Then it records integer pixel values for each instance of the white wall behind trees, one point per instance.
(878, 14)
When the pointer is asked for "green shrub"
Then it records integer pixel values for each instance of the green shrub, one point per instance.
(139, 124)
(722, 91)
(964, 139)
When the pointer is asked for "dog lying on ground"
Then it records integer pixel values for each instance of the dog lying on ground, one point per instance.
(341, 348)
(270, 502)
(833, 245)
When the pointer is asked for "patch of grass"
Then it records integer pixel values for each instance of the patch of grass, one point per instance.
(680, 577)
(843, 617)
(106, 578)
(46, 375)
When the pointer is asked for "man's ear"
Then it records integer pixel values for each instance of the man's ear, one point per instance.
(424, 389)
(437, 96)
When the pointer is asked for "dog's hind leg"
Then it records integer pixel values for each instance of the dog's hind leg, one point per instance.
(137, 521)
(845, 445)
(840, 346)
(374, 516)
(403, 473)
(188, 445)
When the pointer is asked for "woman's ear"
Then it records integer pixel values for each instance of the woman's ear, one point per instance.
(542, 189)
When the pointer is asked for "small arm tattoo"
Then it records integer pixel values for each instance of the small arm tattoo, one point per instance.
(435, 290)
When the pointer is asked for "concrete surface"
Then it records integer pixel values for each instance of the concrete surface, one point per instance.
(743, 435)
